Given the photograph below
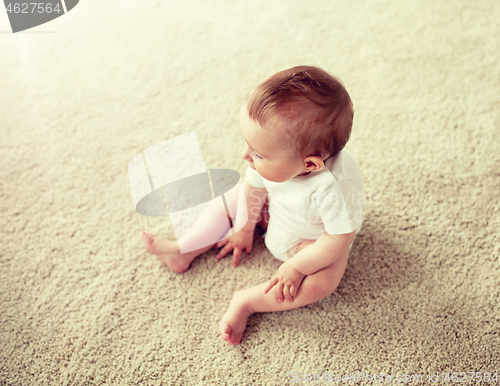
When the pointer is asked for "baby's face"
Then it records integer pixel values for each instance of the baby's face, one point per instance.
(265, 152)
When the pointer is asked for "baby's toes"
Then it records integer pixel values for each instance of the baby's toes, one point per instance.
(225, 331)
(148, 239)
(148, 235)
(229, 335)
(236, 338)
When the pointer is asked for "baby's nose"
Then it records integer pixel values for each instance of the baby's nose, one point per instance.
(245, 154)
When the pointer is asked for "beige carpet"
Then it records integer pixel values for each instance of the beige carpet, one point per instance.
(82, 303)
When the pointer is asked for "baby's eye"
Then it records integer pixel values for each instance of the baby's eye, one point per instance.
(256, 155)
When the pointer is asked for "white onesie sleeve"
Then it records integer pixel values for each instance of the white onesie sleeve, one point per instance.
(254, 178)
(341, 206)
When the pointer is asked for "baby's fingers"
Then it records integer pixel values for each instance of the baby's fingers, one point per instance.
(236, 256)
(222, 243)
(280, 296)
(293, 290)
(271, 284)
(223, 252)
(287, 294)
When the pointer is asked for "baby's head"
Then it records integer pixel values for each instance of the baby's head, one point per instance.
(294, 121)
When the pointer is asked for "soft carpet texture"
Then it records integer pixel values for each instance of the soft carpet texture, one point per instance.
(83, 303)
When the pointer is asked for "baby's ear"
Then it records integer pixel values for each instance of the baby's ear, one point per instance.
(314, 163)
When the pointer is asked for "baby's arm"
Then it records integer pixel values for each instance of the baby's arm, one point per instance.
(243, 239)
(320, 254)
(323, 252)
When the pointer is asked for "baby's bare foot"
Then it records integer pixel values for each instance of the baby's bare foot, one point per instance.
(234, 321)
(167, 251)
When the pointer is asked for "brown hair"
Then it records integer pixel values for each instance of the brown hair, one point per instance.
(314, 104)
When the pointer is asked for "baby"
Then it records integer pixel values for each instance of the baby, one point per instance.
(302, 187)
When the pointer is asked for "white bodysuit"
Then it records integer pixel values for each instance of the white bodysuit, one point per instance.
(304, 207)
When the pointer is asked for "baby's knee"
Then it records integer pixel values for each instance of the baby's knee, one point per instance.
(318, 287)
(324, 282)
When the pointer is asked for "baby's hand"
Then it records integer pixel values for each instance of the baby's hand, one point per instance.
(288, 280)
(241, 240)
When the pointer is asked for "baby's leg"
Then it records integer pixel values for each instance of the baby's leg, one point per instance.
(249, 301)
(168, 251)
(213, 223)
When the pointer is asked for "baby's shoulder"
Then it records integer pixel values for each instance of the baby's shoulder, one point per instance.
(338, 173)
(343, 166)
